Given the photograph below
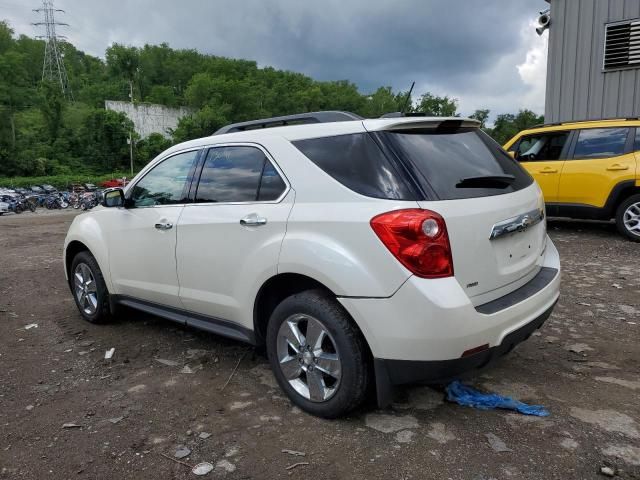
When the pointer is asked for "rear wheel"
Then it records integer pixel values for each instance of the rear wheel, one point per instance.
(628, 218)
(89, 289)
(317, 354)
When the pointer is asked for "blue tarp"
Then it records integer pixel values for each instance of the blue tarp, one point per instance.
(468, 396)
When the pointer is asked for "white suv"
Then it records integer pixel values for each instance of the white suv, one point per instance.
(362, 253)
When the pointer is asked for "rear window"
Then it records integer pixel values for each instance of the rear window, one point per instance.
(356, 161)
(442, 159)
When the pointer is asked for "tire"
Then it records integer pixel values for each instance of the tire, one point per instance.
(343, 390)
(93, 309)
(629, 209)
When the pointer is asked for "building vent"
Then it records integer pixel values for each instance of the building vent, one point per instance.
(622, 45)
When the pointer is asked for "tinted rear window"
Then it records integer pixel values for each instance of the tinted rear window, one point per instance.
(441, 159)
(601, 142)
(356, 161)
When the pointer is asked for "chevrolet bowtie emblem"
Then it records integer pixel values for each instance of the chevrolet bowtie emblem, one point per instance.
(517, 224)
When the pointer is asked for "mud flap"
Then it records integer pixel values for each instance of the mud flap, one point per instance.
(384, 387)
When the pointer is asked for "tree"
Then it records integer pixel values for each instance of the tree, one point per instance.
(148, 148)
(124, 61)
(6, 37)
(430, 104)
(507, 125)
(383, 101)
(482, 116)
(162, 94)
(104, 138)
(202, 123)
(52, 104)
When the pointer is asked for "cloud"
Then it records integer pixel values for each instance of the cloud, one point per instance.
(484, 53)
(533, 71)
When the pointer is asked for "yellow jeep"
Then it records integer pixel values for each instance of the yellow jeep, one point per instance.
(587, 170)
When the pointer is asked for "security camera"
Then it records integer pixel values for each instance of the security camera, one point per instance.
(544, 20)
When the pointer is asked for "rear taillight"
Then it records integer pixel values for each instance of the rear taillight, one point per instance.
(418, 239)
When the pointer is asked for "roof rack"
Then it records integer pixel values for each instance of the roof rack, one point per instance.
(301, 118)
(555, 124)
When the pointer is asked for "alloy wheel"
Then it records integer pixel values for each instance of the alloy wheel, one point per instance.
(308, 357)
(631, 218)
(85, 289)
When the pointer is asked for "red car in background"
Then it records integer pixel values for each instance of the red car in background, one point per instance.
(115, 182)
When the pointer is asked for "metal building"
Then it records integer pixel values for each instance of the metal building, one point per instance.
(593, 67)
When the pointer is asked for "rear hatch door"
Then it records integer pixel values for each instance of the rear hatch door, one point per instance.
(493, 209)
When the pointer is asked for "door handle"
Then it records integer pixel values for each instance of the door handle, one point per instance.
(253, 220)
(549, 170)
(617, 166)
(164, 226)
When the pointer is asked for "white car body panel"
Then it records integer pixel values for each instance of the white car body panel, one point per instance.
(433, 320)
(487, 267)
(142, 258)
(222, 263)
(340, 250)
(88, 229)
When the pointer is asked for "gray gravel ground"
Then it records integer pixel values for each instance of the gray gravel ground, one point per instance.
(162, 390)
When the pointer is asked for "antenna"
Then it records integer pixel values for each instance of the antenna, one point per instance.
(53, 66)
(406, 102)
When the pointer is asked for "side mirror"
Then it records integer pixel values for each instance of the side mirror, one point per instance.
(113, 197)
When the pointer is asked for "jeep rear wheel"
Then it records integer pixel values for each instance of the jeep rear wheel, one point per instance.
(628, 218)
(317, 354)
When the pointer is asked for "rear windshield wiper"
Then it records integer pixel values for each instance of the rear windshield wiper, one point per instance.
(486, 181)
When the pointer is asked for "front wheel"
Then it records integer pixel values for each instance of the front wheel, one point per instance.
(89, 289)
(628, 218)
(317, 354)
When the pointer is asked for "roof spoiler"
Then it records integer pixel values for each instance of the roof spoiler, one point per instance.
(301, 118)
(441, 124)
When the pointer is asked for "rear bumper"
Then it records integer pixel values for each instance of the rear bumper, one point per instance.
(422, 332)
(397, 372)
(435, 320)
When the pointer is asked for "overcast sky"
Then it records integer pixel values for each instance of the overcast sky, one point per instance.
(485, 53)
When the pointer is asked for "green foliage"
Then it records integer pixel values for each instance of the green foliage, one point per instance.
(60, 181)
(52, 105)
(437, 106)
(149, 148)
(507, 125)
(42, 133)
(123, 61)
(482, 116)
(104, 137)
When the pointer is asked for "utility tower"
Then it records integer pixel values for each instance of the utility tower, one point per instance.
(53, 65)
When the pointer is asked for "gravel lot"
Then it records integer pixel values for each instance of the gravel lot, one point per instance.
(164, 387)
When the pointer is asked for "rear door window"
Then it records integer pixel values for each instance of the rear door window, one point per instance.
(357, 162)
(272, 185)
(601, 143)
(452, 163)
(237, 175)
(541, 147)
